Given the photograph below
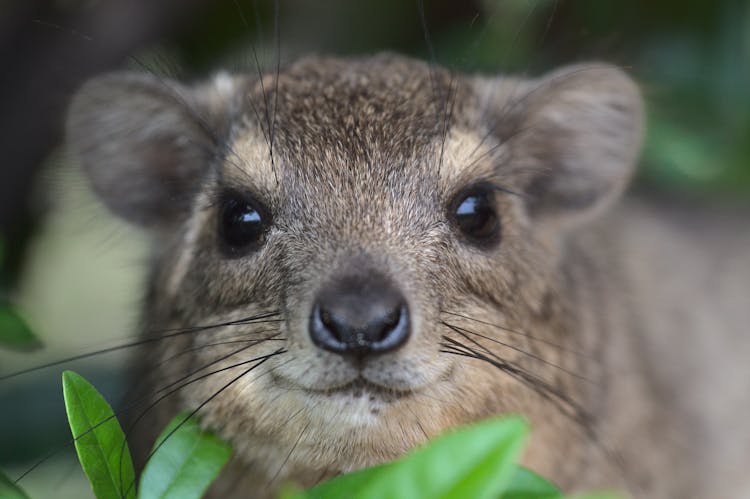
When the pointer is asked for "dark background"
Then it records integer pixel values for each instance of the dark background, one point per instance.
(74, 273)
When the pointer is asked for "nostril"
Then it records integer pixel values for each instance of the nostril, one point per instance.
(391, 320)
(386, 324)
(323, 331)
(393, 330)
(325, 318)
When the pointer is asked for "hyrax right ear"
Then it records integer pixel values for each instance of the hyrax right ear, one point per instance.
(575, 137)
(145, 143)
(583, 128)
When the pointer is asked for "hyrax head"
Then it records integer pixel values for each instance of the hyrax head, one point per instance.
(351, 230)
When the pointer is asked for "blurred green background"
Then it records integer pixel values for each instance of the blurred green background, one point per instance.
(76, 274)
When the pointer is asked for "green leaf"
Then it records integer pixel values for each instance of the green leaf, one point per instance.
(342, 486)
(185, 462)
(14, 333)
(9, 490)
(99, 440)
(291, 491)
(476, 462)
(526, 484)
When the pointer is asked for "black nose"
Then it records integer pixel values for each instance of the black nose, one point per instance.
(360, 316)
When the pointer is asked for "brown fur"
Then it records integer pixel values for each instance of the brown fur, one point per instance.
(357, 161)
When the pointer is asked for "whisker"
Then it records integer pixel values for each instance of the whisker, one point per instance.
(148, 395)
(249, 343)
(463, 333)
(228, 341)
(447, 115)
(298, 412)
(171, 333)
(430, 46)
(135, 403)
(267, 134)
(277, 29)
(503, 112)
(473, 341)
(291, 451)
(510, 104)
(525, 335)
(241, 13)
(417, 422)
(199, 378)
(288, 420)
(432, 397)
(505, 140)
(203, 404)
(567, 405)
(217, 144)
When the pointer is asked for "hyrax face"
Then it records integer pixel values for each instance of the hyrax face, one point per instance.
(352, 230)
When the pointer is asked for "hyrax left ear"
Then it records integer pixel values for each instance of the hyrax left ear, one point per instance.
(581, 133)
(145, 143)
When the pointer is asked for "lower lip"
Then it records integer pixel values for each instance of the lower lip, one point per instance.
(362, 387)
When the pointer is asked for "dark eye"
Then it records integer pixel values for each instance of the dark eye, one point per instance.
(475, 215)
(242, 225)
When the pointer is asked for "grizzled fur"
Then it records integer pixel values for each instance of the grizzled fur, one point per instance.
(357, 163)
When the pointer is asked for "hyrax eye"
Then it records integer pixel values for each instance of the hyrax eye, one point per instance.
(242, 225)
(474, 214)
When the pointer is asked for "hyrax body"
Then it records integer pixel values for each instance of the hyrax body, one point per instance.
(384, 250)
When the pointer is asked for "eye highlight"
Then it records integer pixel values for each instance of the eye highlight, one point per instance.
(474, 213)
(243, 224)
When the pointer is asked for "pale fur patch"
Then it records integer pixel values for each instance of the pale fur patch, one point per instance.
(188, 246)
(467, 158)
(250, 159)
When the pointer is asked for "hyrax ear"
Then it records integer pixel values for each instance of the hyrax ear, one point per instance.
(146, 143)
(580, 133)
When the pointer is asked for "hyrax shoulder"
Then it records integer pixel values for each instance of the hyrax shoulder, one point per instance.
(377, 250)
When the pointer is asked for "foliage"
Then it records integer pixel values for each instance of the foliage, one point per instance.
(185, 461)
(99, 440)
(9, 490)
(478, 461)
(15, 334)
(475, 462)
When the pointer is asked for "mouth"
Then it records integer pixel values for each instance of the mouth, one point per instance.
(362, 387)
(358, 388)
